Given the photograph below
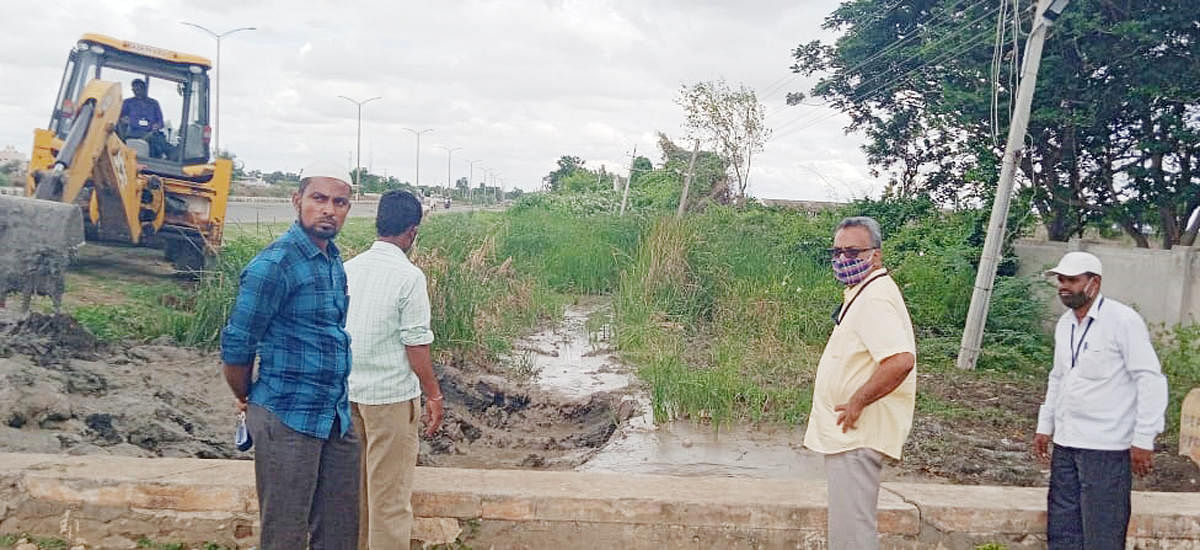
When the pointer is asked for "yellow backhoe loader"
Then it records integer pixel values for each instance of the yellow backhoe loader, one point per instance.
(136, 176)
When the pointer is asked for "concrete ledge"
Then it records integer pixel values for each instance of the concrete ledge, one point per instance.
(111, 502)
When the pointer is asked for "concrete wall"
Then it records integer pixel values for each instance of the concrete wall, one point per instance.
(1163, 285)
(112, 502)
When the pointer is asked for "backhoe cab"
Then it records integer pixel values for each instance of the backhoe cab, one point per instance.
(128, 143)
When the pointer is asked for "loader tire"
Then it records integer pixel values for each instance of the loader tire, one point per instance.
(187, 256)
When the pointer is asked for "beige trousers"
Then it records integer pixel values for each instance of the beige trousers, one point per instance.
(389, 460)
(853, 481)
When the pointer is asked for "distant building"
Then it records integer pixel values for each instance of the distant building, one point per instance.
(11, 154)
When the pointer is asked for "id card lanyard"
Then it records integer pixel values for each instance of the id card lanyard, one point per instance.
(1076, 349)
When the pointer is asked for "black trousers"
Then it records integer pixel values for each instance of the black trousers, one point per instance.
(1088, 505)
(307, 486)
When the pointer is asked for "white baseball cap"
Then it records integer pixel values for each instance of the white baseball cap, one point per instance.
(1076, 263)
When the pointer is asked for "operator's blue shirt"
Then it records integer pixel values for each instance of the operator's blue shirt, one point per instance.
(291, 313)
(143, 113)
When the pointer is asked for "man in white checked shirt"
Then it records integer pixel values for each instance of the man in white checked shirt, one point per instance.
(391, 367)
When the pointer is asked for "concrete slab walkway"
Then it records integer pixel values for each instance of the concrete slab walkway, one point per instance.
(111, 502)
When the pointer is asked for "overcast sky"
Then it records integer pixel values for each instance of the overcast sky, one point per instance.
(516, 84)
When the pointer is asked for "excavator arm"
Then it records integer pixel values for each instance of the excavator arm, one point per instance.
(93, 153)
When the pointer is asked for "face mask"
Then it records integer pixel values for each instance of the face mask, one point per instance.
(1077, 300)
(851, 271)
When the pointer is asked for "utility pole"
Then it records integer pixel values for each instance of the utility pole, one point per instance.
(625, 195)
(358, 163)
(217, 66)
(687, 180)
(417, 179)
(968, 353)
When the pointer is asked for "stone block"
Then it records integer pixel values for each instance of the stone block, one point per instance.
(431, 531)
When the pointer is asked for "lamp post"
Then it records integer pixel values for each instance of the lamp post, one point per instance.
(217, 110)
(417, 182)
(358, 161)
(449, 155)
(471, 177)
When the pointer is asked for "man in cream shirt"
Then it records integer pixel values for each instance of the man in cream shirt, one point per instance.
(391, 366)
(1104, 406)
(865, 389)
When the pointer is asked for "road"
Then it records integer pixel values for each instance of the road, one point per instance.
(275, 212)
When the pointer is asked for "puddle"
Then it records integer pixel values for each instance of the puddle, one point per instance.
(573, 360)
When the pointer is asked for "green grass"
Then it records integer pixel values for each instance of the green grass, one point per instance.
(726, 313)
(1179, 353)
(43, 543)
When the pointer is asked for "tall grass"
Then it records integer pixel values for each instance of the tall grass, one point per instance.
(727, 313)
(492, 276)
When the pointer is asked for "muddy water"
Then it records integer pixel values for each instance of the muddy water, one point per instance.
(573, 359)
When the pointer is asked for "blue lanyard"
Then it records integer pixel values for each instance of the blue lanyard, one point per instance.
(1083, 337)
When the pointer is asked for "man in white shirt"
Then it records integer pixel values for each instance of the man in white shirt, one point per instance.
(388, 322)
(1104, 406)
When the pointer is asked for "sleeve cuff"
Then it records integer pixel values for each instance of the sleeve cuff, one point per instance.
(1144, 441)
(417, 337)
(1045, 426)
(236, 358)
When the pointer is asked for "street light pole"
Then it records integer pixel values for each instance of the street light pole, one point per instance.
(217, 110)
(358, 161)
(418, 133)
(470, 178)
(449, 155)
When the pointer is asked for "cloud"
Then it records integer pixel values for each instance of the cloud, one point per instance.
(515, 83)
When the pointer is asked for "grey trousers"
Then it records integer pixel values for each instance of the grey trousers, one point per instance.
(307, 486)
(853, 482)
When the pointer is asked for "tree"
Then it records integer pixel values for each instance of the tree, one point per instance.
(1114, 130)
(239, 171)
(567, 165)
(10, 173)
(641, 166)
(712, 173)
(732, 121)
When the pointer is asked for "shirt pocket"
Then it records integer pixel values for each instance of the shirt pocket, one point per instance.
(1099, 363)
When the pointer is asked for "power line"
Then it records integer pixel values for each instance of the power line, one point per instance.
(897, 66)
(916, 33)
(963, 47)
(970, 43)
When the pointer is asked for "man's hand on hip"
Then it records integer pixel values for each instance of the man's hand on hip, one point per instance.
(848, 414)
(1041, 448)
(1142, 460)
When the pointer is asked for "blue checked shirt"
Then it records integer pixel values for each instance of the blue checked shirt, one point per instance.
(291, 313)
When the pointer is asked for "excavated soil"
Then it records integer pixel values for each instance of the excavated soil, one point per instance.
(63, 392)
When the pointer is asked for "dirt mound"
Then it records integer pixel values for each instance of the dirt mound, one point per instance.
(47, 338)
(63, 391)
(494, 423)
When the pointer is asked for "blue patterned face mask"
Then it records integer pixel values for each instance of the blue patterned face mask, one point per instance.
(851, 271)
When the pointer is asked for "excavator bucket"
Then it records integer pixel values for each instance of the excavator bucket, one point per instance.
(37, 241)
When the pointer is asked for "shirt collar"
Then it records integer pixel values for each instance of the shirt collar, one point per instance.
(308, 247)
(855, 288)
(389, 249)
